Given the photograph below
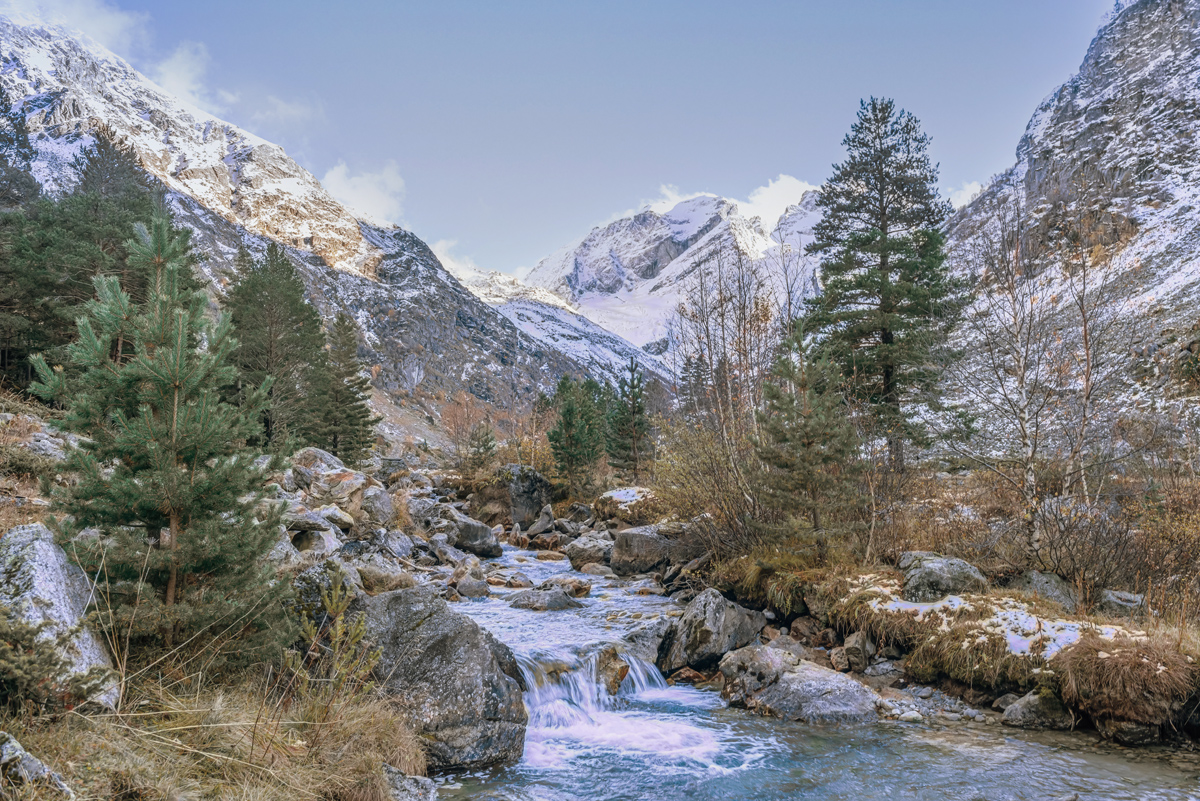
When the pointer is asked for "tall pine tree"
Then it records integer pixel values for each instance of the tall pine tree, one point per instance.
(807, 443)
(886, 296)
(629, 426)
(578, 434)
(17, 185)
(163, 471)
(279, 337)
(341, 417)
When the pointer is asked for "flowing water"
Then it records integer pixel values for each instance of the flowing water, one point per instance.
(654, 741)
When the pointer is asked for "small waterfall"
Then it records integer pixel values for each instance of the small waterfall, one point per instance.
(568, 691)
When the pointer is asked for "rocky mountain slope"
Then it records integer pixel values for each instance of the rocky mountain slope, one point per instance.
(424, 334)
(630, 275)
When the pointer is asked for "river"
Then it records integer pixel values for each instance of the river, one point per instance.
(655, 741)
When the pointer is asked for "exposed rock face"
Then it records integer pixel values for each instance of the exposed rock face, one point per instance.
(1038, 711)
(931, 576)
(639, 550)
(1127, 732)
(473, 536)
(709, 628)
(460, 686)
(40, 585)
(528, 492)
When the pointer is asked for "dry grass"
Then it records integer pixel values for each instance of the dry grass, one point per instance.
(376, 580)
(189, 738)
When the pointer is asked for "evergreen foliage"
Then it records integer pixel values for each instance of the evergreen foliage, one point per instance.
(808, 444)
(481, 448)
(886, 296)
(629, 426)
(342, 422)
(578, 434)
(164, 473)
(279, 337)
(17, 185)
(34, 668)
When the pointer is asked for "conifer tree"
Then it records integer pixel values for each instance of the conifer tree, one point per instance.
(342, 422)
(17, 185)
(577, 437)
(628, 426)
(163, 471)
(807, 441)
(481, 448)
(279, 337)
(886, 296)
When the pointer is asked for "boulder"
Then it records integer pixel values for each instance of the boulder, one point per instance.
(1048, 586)
(749, 670)
(470, 587)
(931, 576)
(1120, 604)
(422, 510)
(572, 585)
(39, 584)
(639, 550)
(579, 513)
(337, 516)
(396, 542)
(518, 580)
(284, 554)
(529, 492)
(709, 628)
(859, 650)
(473, 536)
(445, 552)
(588, 551)
(544, 523)
(1127, 732)
(813, 694)
(377, 506)
(310, 584)
(21, 769)
(298, 518)
(461, 689)
(597, 569)
(543, 600)
(646, 640)
(551, 556)
(316, 460)
(611, 669)
(1005, 701)
(402, 787)
(838, 660)
(1038, 711)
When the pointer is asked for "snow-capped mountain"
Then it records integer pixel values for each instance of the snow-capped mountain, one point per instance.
(630, 275)
(422, 330)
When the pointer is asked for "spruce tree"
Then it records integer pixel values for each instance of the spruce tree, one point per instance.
(341, 419)
(481, 448)
(17, 185)
(279, 337)
(807, 441)
(886, 296)
(628, 426)
(577, 437)
(163, 471)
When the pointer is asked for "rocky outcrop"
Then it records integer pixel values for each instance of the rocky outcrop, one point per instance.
(931, 576)
(461, 688)
(528, 493)
(639, 550)
(709, 628)
(39, 584)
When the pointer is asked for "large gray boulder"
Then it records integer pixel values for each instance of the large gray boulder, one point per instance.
(1038, 711)
(460, 688)
(473, 536)
(709, 628)
(1048, 586)
(377, 506)
(644, 641)
(528, 491)
(639, 550)
(588, 551)
(39, 584)
(544, 522)
(773, 681)
(931, 576)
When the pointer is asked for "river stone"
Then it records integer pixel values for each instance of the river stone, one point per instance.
(749, 670)
(596, 569)
(931, 576)
(710, 627)
(587, 551)
(543, 600)
(611, 669)
(1005, 701)
(1126, 732)
(639, 550)
(39, 584)
(473, 536)
(814, 694)
(528, 491)
(409, 788)
(518, 580)
(1048, 586)
(1038, 711)
(460, 687)
(377, 506)
(646, 640)
(572, 585)
(859, 649)
(544, 523)
(473, 588)
(19, 768)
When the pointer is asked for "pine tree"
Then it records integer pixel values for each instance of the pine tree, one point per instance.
(886, 295)
(163, 471)
(342, 422)
(807, 441)
(17, 186)
(481, 448)
(577, 437)
(279, 337)
(628, 426)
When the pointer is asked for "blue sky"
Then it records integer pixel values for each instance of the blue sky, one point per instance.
(502, 131)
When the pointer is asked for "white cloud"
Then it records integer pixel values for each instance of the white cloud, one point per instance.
(182, 74)
(965, 193)
(459, 266)
(274, 110)
(120, 31)
(668, 198)
(377, 196)
(769, 202)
